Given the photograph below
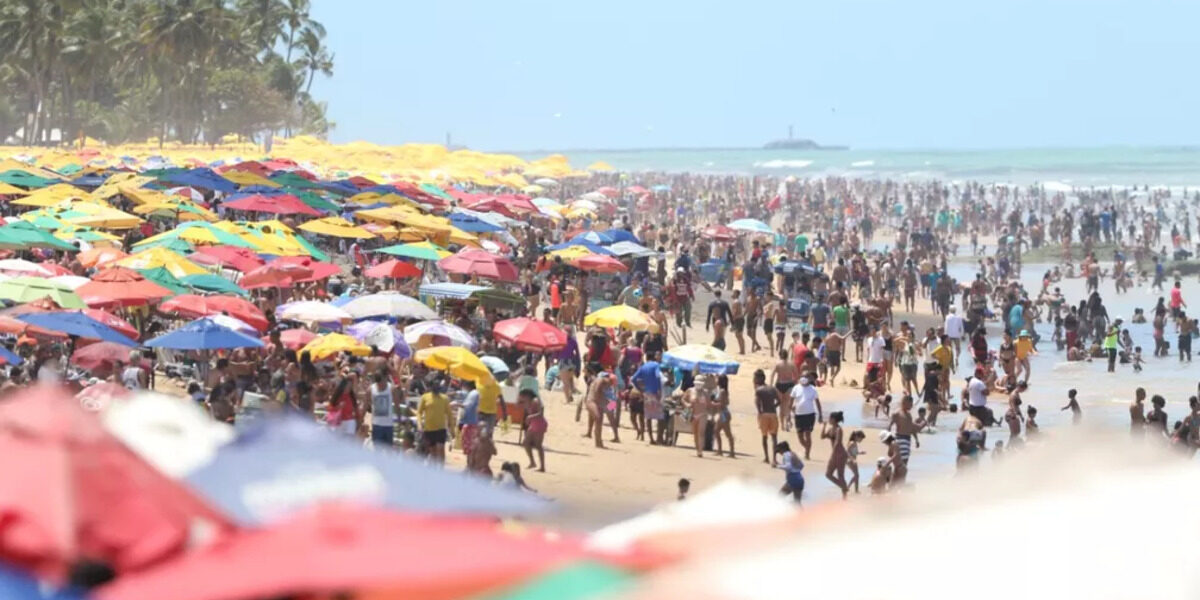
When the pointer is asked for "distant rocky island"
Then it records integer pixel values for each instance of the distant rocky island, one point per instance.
(794, 143)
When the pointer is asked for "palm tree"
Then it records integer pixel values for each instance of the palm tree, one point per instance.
(297, 17)
(316, 56)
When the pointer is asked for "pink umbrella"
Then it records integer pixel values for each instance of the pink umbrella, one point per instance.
(530, 335)
(480, 264)
(320, 270)
(281, 204)
(275, 275)
(242, 259)
(393, 269)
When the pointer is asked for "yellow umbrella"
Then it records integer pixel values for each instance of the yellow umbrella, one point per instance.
(138, 194)
(246, 178)
(337, 227)
(533, 190)
(102, 216)
(457, 361)
(621, 316)
(366, 198)
(183, 210)
(161, 257)
(570, 253)
(600, 167)
(10, 164)
(578, 212)
(333, 343)
(463, 238)
(51, 195)
(11, 190)
(69, 232)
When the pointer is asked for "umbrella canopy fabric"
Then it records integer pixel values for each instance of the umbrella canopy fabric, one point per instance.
(97, 257)
(77, 324)
(71, 282)
(163, 277)
(18, 585)
(279, 466)
(751, 225)
(191, 305)
(480, 264)
(161, 257)
(593, 237)
(719, 233)
(631, 249)
(581, 581)
(382, 336)
(419, 250)
(336, 227)
(100, 356)
(279, 204)
(332, 344)
(622, 235)
(598, 263)
(204, 334)
(8, 357)
(313, 312)
(71, 490)
(386, 305)
(437, 332)
(28, 289)
(356, 548)
(622, 317)
(320, 270)
(458, 362)
(120, 286)
(242, 259)
(275, 275)
(118, 324)
(294, 339)
(209, 282)
(393, 269)
(530, 335)
(175, 435)
(701, 356)
(19, 266)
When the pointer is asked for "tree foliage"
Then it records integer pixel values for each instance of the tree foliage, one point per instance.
(187, 70)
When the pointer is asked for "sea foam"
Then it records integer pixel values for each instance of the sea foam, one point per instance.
(783, 164)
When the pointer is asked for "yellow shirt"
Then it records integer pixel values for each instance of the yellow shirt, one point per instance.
(489, 395)
(943, 355)
(433, 412)
(1024, 348)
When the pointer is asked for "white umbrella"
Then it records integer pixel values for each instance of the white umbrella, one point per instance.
(72, 282)
(586, 203)
(631, 249)
(546, 181)
(19, 266)
(313, 312)
(431, 333)
(388, 304)
(235, 324)
(549, 203)
(597, 196)
(173, 434)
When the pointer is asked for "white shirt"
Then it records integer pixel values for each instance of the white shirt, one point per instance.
(975, 392)
(875, 349)
(804, 400)
(954, 326)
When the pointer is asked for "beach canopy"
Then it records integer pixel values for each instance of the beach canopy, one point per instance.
(75, 323)
(331, 344)
(631, 249)
(458, 362)
(751, 225)
(598, 263)
(310, 312)
(419, 250)
(161, 257)
(392, 269)
(241, 259)
(72, 491)
(193, 306)
(210, 282)
(436, 332)
(278, 204)
(204, 334)
(388, 304)
(336, 227)
(119, 286)
(281, 465)
(700, 356)
(530, 335)
(479, 263)
(620, 316)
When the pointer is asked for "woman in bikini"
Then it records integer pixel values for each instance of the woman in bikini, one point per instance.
(535, 428)
(724, 417)
(700, 402)
(835, 470)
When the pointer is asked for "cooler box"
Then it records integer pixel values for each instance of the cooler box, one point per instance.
(713, 270)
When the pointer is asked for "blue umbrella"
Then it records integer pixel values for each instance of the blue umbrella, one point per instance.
(594, 248)
(593, 237)
(9, 357)
(204, 334)
(200, 178)
(622, 235)
(16, 585)
(472, 224)
(751, 225)
(76, 323)
(279, 466)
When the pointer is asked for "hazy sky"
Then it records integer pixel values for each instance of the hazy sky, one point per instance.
(522, 75)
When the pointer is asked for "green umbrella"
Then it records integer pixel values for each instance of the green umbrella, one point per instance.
(311, 249)
(295, 181)
(434, 190)
(315, 201)
(411, 251)
(28, 289)
(25, 179)
(31, 236)
(70, 169)
(170, 243)
(163, 277)
(576, 582)
(209, 282)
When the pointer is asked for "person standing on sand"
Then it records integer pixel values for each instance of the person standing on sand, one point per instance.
(1137, 414)
(699, 400)
(535, 428)
(723, 416)
(719, 314)
(737, 311)
(598, 397)
(781, 322)
(835, 470)
(806, 407)
(835, 344)
(648, 380)
(766, 401)
(784, 377)
(954, 330)
(753, 315)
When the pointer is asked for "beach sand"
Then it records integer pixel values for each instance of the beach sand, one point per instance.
(596, 487)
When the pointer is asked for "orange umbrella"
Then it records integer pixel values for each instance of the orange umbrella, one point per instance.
(99, 256)
(275, 274)
(118, 286)
(599, 263)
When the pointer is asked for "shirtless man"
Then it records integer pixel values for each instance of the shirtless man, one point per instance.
(1137, 414)
(597, 402)
(718, 329)
(906, 430)
(781, 322)
(737, 311)
(784, 377)
(753, 314)
(835, 347)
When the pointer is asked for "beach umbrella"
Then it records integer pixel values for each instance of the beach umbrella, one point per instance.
(174, 434)
(203, 178)
(383, 336)
(597, 263)
(386, 304)
(7, 357)
(313, 312)
(621, 235)
(436, 332)
(204, 334)
(178, 209)
(279, 204)
(194, 306)
(233, 323)
(19, 266)
(241, 259)
(393, 269)
(28, 235)
(479, 263)
(320, 270)
(631, 249)
(99, 256)
(530, 335)
(473, 224)
(100, 356)
(100, 395)
(275, 275)
(700, 356)
(163, 277)
(118, 324)
(720, 233)
(593, 237)
(75, 323)
(622, 317)
(209, 282)
(332, 344)
(585, 580)
(497, 366)
(751, 225)
(196, 232)
(17, 584)
(336, 227)
(120, 286)
(357, 549)
(419, 250)
(278, 466)
(161, 257)
(71, 282)
(457, 361)
(589, 246)
(28, 289)
(73, 491)
(294, 339)
(589, 200)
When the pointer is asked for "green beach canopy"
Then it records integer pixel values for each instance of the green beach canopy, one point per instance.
(25, 179)
(210, 282)
(163, 277)
(412, 251)
(576, 582)
(32, 237)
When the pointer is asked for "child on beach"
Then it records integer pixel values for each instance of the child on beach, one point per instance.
(883, 475)
(852, 454)
(1073, 405)
(793, 468)
(1138, 361)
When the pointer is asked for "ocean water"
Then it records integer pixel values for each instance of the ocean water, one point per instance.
(1061, 167)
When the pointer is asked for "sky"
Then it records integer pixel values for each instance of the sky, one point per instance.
(539, 75)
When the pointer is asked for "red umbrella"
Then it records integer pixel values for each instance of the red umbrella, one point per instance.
(279, 204)
(118, 286)
(122, 326)
(55, 268)
(719, 233)
(611, 192)
(294, 339)
(481, 264)
(100, 356)
(393, 269)
(247, 166)
(193, 306)
(320, 270)
(275, 275)
(71, 490)
(599, 263)
(97, 397)
(343, 548)
(242, 259)
(530, 335)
